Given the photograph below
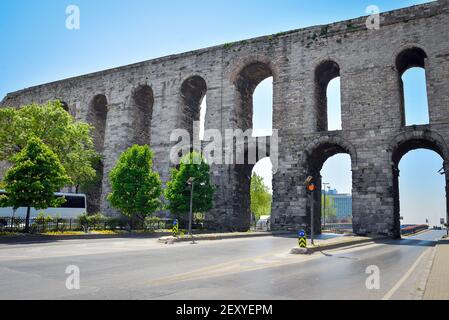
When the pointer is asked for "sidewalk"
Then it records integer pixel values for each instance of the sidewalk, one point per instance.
(438, 283)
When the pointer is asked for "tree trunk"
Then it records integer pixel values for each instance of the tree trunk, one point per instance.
(27, 221)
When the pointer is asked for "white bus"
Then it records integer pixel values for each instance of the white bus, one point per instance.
(75, 205)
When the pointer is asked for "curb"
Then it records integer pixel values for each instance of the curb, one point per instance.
(29, 239)
(332, 246)
(223, 236)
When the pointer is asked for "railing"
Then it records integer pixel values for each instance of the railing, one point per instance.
(406, 230)
(338, 227)
(44, 225)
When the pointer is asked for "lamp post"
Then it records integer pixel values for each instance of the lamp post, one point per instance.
(324, 210)
(191, 182)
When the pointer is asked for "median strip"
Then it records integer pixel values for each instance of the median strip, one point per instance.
(335, 244)
(222, 236)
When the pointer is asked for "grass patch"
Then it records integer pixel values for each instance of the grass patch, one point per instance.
(63, 233)
(9, 234)
(80, 233)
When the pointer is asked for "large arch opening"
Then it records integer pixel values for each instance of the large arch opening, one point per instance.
(336, 193)
(328, 96)
(97, 117)
(193, 109)
(419, 184)
(261, 195)
(254, 89)
(142, 114)
(262, 122)
(410, 65)
(246, 83)
(330, 164)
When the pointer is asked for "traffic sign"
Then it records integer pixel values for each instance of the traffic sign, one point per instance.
(175, 229)
(302, 240)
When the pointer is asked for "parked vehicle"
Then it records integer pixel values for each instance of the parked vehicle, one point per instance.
(264, 223)
(75, 205)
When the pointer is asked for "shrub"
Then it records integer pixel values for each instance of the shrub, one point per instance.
(97, 221)
(114, 223)
(151, 223)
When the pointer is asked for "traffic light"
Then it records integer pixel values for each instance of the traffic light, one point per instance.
(310, 185)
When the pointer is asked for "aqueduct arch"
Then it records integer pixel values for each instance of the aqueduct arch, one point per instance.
(193, 91)
(373, 133)
(142, 114)
(409, 141)
(313, 159)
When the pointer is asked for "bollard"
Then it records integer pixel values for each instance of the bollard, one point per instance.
(175, 228)
(302, 239)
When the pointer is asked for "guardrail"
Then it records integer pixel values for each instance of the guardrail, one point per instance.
(43, 225)
(413, 229)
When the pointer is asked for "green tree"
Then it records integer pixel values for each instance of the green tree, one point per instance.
(33, 179)
(71, 141)
(328, 208)
(136, 188)
(192, 167)
(261, 197)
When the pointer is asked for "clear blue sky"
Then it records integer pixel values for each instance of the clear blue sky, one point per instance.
(37, 48)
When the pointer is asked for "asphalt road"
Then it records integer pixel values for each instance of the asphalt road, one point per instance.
(252, 268)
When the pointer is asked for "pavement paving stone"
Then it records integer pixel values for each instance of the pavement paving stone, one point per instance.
(438, 283)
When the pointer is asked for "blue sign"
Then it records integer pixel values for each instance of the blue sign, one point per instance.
(175, 222)
(302, 234)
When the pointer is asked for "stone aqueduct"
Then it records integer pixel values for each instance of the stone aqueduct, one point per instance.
(144, 102)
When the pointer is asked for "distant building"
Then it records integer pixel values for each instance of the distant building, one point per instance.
(342, 203)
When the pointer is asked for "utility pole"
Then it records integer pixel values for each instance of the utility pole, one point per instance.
(311, 188)
(191, 183)
(324, 184)
(312, 218)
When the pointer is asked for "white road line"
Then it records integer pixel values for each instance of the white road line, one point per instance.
(404, 278)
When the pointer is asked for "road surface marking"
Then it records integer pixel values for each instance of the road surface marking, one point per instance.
(231, 267)
(405, 277)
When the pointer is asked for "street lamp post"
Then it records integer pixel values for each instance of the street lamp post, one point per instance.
(191, 182)
(324, 210)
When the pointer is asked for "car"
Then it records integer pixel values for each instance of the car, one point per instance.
(264, 223)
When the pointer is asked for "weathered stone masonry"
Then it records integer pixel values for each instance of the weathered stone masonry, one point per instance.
(144, 102)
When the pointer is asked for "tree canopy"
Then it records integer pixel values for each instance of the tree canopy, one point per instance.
(261, 197)
(136, 188)
(192, 167)
(70, 140)
(328, 208)
(33, 179)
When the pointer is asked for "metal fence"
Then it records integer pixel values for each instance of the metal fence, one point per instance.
(338, 227)
(44, 225)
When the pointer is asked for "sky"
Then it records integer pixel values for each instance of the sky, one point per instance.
(38, 48)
